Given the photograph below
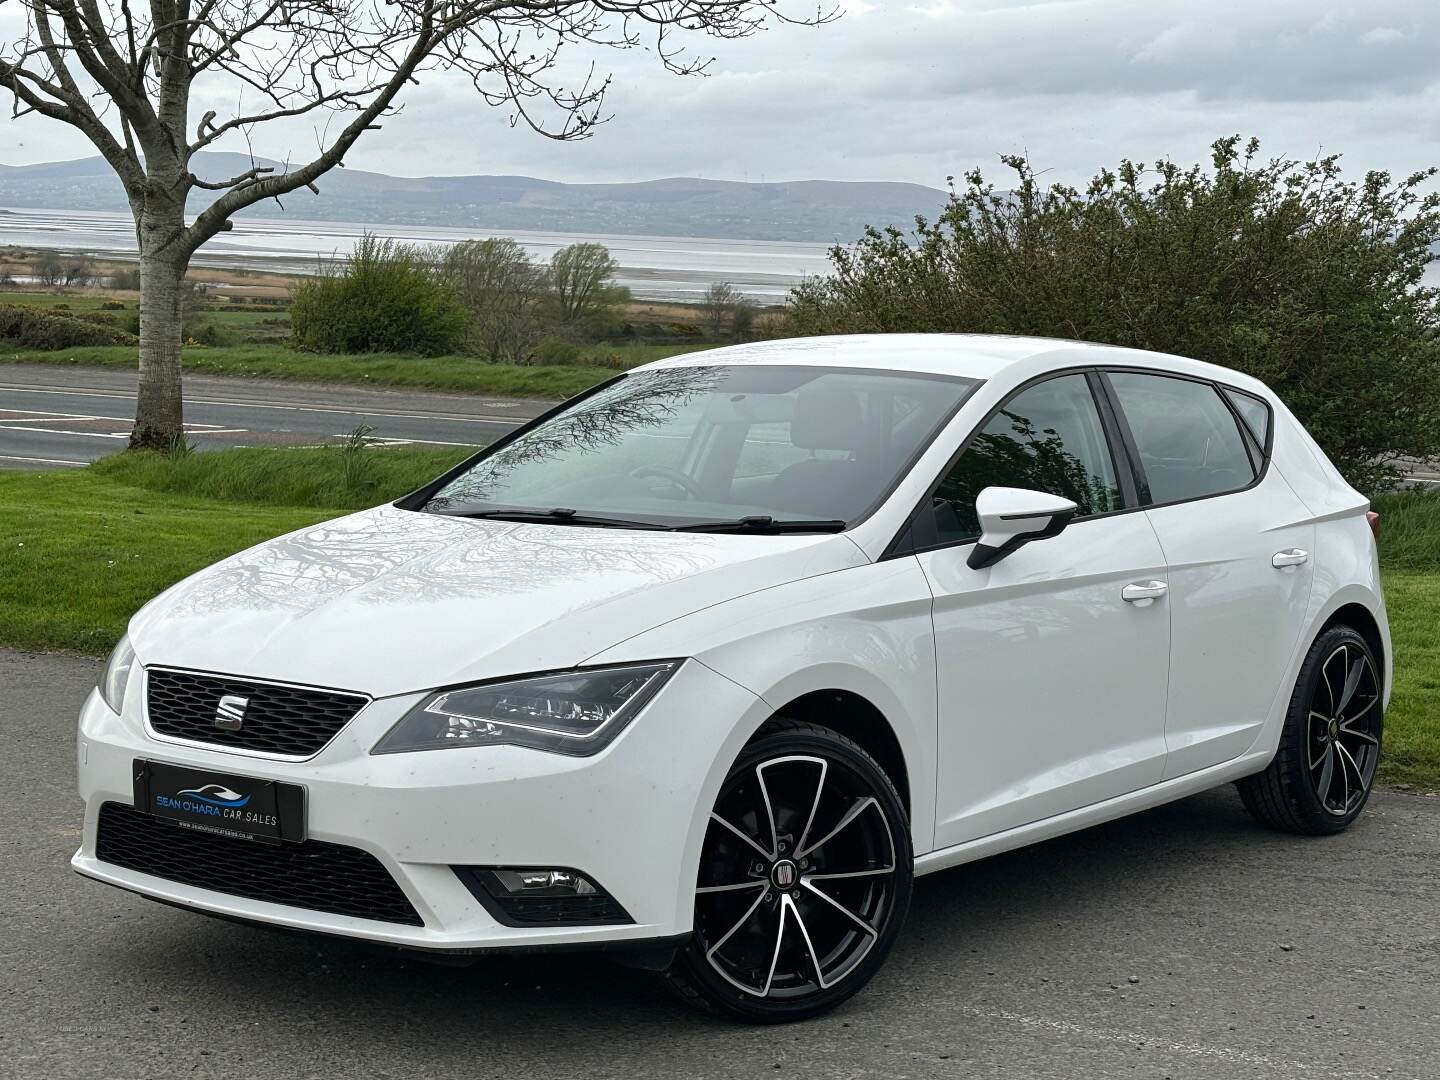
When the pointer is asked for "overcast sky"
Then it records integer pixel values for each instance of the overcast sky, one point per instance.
(899, 91)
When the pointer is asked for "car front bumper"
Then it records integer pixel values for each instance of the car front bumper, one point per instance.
(631, 818)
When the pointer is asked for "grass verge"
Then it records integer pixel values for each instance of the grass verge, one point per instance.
(333, 478)
(456, 373)
(81, 551)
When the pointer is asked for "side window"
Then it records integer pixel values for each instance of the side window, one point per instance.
(1254, 412)
(1047, 438)
(1189, 443)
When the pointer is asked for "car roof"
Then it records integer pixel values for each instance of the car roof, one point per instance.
(971, 356)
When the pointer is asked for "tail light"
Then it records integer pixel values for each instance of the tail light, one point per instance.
(1373, 520)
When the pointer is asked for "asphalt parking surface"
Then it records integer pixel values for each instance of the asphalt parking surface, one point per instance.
(62, 417)
(1185, 942)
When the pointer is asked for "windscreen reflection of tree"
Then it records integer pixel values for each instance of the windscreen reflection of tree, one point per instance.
(637, 402)
(1026, 457)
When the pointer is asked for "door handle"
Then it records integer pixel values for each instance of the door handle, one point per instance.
(1143, 592)
(1289, 557)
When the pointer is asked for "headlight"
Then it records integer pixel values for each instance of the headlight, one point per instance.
(576, 712)
(117, 674)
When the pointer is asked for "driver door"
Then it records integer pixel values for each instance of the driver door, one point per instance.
(1051, 686)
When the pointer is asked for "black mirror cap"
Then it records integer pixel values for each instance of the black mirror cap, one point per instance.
(983, 555)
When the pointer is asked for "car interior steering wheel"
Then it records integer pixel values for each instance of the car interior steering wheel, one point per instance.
(675, 476)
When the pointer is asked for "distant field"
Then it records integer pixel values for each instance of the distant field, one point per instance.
(462, 374)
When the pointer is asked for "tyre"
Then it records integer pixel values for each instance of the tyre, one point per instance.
(1322, 773)
(804, 881)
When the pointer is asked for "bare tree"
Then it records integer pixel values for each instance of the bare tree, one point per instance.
(78, 271)
(502, 288)
(123, 72)
(47, 269)
(718, 307)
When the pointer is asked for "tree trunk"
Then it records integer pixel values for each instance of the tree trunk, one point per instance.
(159, 416)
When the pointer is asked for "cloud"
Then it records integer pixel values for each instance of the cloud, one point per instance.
(924, 89)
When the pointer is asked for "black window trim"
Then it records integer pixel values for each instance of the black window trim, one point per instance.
(910, 538)
(417, 499)
(916, 533)
(1261, 468)
(1263, 449)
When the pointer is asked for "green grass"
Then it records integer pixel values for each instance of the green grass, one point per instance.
(454, 373)
(1412, 726)
(1410, 524)
(76, 302)
(81, 551)
(331, 478)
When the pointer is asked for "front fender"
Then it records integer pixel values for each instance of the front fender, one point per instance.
(865, 630)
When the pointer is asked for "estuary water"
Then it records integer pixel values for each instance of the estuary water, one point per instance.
(653, 267)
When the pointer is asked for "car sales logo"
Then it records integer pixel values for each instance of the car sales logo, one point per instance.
(211, 800)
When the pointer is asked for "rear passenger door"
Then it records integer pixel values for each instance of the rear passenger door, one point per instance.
(1239, 550)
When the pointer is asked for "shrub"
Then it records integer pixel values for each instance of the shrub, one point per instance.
(383, 298)
(555, 351)
(127, 279)
(209, 334)
(33, 328)
(112, 305)
(1282, 269)
(100, 318)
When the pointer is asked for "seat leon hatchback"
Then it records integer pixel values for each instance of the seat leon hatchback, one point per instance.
(710, 662)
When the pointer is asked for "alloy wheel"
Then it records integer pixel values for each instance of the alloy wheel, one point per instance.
(797, 877)
(1343, 743)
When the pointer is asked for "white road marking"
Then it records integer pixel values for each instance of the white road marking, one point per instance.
(376, 440)
(44, 460)
(62, 431)
(1229, 1054)
(360, 410)
(40, 416)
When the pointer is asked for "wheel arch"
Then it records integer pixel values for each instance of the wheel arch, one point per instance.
(858, 719)
(1363, 621)
(1363, 609)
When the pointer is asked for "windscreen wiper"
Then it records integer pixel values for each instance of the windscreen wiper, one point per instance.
(560, 515)
(763, 523)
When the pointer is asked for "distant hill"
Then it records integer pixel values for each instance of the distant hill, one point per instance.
(814, 210)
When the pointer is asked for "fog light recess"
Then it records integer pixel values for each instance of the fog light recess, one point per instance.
(541, 896)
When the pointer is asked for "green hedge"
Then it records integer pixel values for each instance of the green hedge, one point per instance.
(35, 328)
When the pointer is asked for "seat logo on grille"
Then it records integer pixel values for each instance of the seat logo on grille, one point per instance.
(230, 712)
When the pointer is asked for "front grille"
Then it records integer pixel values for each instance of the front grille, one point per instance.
(291, 720)
(314, 875)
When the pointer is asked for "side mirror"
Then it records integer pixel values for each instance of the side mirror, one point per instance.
(1011, 517)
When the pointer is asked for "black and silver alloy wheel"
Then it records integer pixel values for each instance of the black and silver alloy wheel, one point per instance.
(1324, 768)
(804, 878)
(1344, 729)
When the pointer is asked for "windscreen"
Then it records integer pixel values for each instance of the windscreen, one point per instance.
(695, 444)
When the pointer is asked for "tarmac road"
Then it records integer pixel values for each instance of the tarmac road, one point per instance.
(1184, 943)
(62, 417)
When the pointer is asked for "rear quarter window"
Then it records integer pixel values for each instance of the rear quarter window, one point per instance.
(1254, 412)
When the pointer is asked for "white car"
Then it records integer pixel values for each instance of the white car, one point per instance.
(708, 663)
